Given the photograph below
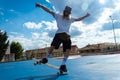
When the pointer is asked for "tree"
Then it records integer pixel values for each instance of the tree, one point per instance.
(3, 43)
(88, 45)
(16, 49)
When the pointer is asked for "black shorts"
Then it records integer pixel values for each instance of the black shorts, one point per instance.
(62, 38)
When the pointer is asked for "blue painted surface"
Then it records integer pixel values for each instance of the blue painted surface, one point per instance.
(105, 67)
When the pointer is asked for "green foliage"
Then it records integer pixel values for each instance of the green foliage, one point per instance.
(3, 43)
(88, 45)
(16, 49)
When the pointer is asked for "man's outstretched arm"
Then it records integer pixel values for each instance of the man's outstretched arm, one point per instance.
(44, 8)
(81, 18)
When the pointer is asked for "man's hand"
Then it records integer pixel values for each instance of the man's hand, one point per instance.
(38, 5)
(44, 8)
(87, 15)
(81, 18)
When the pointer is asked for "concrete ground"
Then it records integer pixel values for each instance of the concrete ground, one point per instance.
(102, 67)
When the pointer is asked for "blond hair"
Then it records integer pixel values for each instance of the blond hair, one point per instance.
(67, 18)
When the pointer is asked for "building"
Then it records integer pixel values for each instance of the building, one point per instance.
(36, 53)
(8, 56)
(41, 53)
(98, 49)
(74, 50)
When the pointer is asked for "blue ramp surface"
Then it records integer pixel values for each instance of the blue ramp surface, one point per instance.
(104, 67)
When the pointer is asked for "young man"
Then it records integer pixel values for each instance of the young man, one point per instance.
(62, 34)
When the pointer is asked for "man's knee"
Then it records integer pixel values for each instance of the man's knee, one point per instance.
(67, 52)
(51, 49)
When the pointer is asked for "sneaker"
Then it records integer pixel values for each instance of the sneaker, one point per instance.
(63, 68)
(37, 62)
(44, 60)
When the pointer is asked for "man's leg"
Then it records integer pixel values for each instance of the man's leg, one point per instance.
(66, 51)
(55, 44)
(63, 65)
(49, 52)
(66, 55)
(45, 60)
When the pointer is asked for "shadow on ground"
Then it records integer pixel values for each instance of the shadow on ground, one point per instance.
(46, 77)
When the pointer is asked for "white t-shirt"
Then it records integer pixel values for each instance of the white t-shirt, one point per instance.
(63, 24)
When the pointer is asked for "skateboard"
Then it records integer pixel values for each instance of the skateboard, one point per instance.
(38, 62)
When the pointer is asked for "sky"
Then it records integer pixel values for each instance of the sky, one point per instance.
(34, 28)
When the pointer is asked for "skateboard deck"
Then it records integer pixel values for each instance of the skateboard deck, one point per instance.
(37, 61)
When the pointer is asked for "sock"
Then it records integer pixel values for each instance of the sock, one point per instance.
(64, 60)
(47, 55)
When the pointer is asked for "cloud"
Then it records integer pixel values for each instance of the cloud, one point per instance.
(1, 13)
(32, 25)
(47, 25)
(95, 29)
(26, 43)
(50, 25)
(36, 40)
(110, 25)
(35, 35)
(51, 33)
(86, 34)
(102, 1)
(80, 8)
(76, 29)
(75, 33)
(43, 26)
(51, 28)
(48, 1)
(13, 33)
(6, 20)
(11, 10)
